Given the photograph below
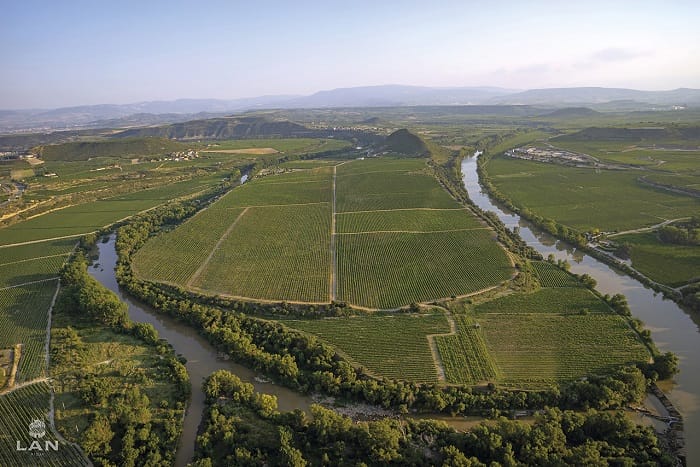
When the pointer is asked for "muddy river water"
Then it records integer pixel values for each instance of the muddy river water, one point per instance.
(673, 329)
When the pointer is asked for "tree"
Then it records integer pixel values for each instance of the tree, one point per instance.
(96, 438)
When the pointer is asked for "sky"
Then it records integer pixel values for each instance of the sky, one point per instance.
(65, 53)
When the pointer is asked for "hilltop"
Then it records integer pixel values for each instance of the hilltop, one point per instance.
(405, 142)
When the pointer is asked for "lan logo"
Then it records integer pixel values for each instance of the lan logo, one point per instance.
(37, 430)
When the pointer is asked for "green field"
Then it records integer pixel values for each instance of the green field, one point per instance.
(30, 270)
(389, 345)
(23, 317)
(290, 261)
(270, 239)
(464, 354)
(586, 199)
(550, 275)
(388, 270)
(555, 334)
(672, 265)
(20, 408)
(87, 217)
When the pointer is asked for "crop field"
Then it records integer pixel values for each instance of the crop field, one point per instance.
(390, 345)
(406, 220)
(373, 191)
(87, 217)
(270, 239)
(23, 316)
(586, 199)
(285, 145)
(464, 355)
(29, 270)
(547, 300)
(541, 348)
(35, 250)
(673, 265)
(388, 270)
(291, 261)
(669, 157)
(192, 244)
(20, 408)
(553, 276)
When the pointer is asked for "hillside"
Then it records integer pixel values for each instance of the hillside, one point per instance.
(633, 134)
(219, 128)
(125, 148)
(572, 112)
(404, 142)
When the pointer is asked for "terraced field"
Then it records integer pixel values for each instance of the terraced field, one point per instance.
(393, 346)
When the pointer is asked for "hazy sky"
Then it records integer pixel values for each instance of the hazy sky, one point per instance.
(59, 53)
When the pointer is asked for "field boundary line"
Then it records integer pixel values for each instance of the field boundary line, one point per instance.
(36, 258)
(31, 242)
(647, 229)
(411, 231)
(204, 265)
(276, 205)
(333, 255)
(406, 209)
(432, 343)
(24, 384)
(30, 283)
(273, 301)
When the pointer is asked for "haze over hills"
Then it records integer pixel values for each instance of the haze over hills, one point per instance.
(160, 112)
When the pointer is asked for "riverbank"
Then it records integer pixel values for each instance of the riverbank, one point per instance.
(672, 328)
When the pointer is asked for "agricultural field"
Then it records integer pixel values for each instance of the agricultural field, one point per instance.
(672, 265)
(271, 239)
(87, 217)
(30, 270)
(388, 270)
(554, 334)
(587, 199)
(19, 408)
(390, 345)
(23, 318)
(464, 354)
(291, 261)
(550, 275)
(534, 349)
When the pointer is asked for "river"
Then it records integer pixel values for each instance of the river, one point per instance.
(673, 329)
(202, 358)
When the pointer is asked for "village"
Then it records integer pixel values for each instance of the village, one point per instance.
(552, 155)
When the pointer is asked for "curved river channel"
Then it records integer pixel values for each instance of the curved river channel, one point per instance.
(672, 328)
(202, 358)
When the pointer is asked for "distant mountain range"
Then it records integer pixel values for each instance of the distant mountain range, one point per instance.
(160, 112)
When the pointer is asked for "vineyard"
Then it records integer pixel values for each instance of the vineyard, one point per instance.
(87, 217)
(553, 276)
(464, 355)
(388, 270)
(406, 220)
(278, 253)
(185, 250)
(20, 408)
(540, 349)
(548, 300)
(29, 270)
(23, 316)
(270, 239)
(389, 345)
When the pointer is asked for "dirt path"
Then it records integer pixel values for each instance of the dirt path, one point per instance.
(334, 259)
(407, 209)
(31, 242)
(432, 343)
(35, 258)
(29, 283)
(411, 231)
(23, 385)
(647, 229)
(204, 265)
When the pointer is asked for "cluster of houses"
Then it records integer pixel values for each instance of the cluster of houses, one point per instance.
(551, 155)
